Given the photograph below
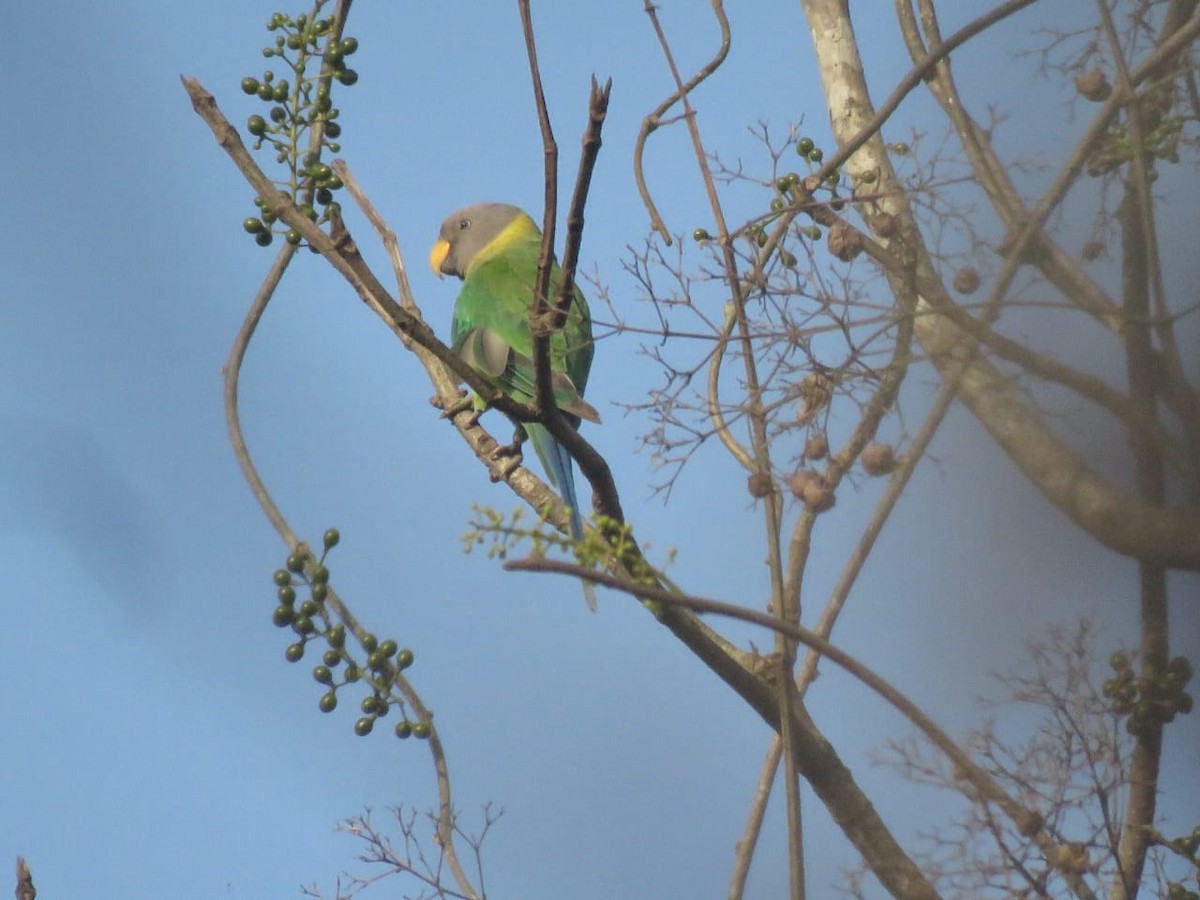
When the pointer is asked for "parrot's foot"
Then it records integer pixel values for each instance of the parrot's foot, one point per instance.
(462, 405)
(436, 402)
(511, 452)
(520, 436)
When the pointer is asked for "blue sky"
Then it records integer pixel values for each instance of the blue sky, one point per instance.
(156, 741)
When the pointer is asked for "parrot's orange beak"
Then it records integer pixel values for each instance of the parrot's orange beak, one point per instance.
(438, 255)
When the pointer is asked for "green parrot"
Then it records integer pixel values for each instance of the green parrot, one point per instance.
(494, 249)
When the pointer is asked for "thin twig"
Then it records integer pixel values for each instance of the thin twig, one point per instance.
(652, 121)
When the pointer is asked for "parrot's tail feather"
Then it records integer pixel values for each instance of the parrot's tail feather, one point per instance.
(556, 462)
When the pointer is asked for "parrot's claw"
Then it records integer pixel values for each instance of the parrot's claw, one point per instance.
(436, 402)
(464, 402)
(514, 449)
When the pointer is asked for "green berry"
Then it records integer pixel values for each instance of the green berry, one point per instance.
(320, 591)
(264, 238)
(377, 660)
(278, 114)
(332, 658)
(294, 652)
(404, 729)
(283, 616)
(295, 562)
(777, 204)
(324, 196)
(330, 538)
(322, 675)
(320, 575)
(347, 77)
(336, 636)
(701, 234)
(422, 730)
(348, 45)
(256, 125)
(282, 577)
(388, 648)
(332, 129)
(804, 146)
(370, 643)
(252, 225)
(816, 154)
(364, 725)
(328, 702)
(249, 85)
(304, 625)
(1119, 660)
(286, 595)
(352, 674)
(404, 659)
(369, 704)
(309, 608)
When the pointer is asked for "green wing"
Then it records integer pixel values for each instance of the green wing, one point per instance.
(491, 330)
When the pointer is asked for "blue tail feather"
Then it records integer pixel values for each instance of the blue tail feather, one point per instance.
(556, 462)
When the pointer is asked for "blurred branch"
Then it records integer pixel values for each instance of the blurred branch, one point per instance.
(1117, 519)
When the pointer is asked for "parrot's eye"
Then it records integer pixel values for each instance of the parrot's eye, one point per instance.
(464, 224)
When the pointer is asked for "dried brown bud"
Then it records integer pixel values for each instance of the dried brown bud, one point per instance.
(813, 489)
(844, 241)
(816, 390)
(1070, 858)
(1092, 250)
(760, 484)
(878, 459)
(1030, 823)
(817, 446)
(884, 224)
(966, 280)
(1093, 86)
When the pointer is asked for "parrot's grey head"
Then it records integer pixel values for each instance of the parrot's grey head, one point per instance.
(467, 231)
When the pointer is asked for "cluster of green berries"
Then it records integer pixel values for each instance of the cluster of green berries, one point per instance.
(1151, 698)
(786, 192)
(309, 621)
(293, 110)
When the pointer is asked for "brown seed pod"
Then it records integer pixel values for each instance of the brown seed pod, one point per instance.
(760, 484)
(878, 459)
(812, 489)
(966, 280)
(817, 446)
(1093, 86)
(844, 241)
(884, 224)
(1092, 250)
